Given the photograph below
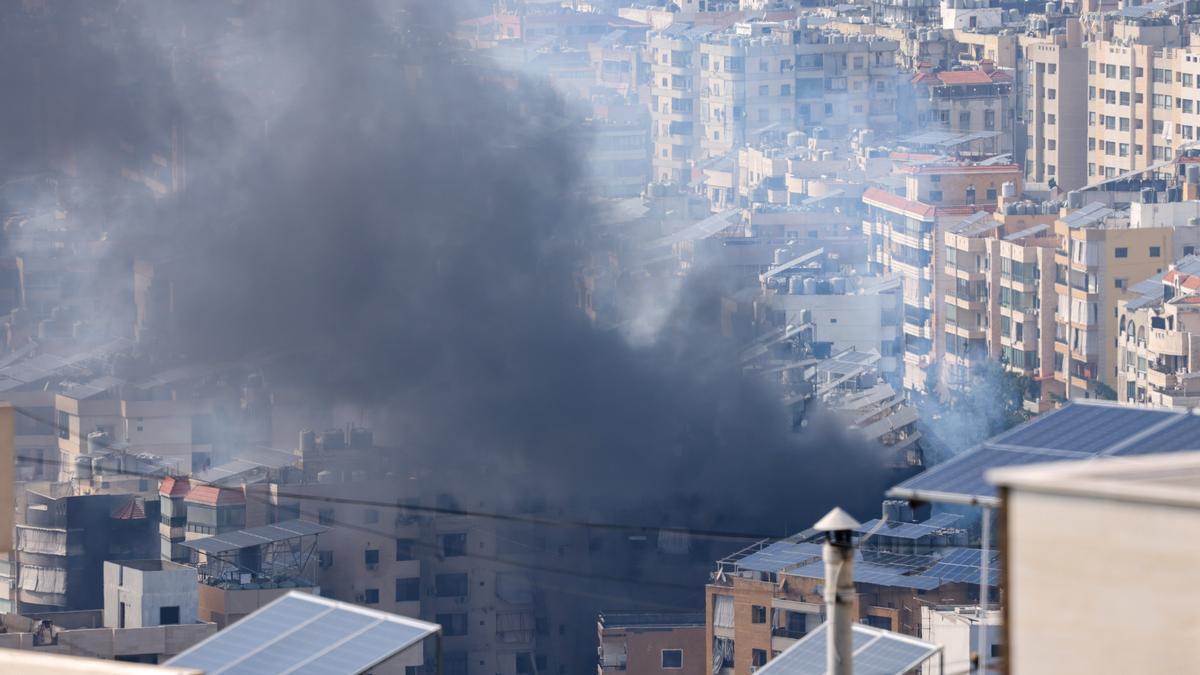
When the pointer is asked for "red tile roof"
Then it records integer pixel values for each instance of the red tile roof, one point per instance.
(1188, 300)
(1188, 281)
(877, 197)
(957, 77)
(214, 496)
(130, 510)
(174, 487)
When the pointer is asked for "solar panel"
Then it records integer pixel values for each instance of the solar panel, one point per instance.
(962, 565)
(1076, 431)
(876, 652)
(255, 536)
(1183, 435)
(780, 555)
(302, 633)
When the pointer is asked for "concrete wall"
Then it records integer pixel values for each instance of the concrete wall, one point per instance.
(1100, 586)
(146, 592)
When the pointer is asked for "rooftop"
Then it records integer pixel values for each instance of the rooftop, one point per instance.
(1171, 479)
(300, 632)
(652, 619)
(255, 536)
(876, 651)
(1080, 430)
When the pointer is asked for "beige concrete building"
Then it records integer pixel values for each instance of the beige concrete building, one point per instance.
(1060, 590)
(1159, 339)
(1101, 254)
(1053, 102)
(674, 102)
(1142, 102)
(977, 103)
(907, 236)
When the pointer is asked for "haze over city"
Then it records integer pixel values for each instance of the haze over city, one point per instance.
(511, 337)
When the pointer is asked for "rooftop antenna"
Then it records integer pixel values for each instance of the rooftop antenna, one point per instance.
(838, 553)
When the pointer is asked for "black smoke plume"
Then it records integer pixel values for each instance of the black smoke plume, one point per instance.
(407, 225)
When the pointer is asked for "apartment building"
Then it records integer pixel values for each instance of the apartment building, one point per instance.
(746, 84)
(845, 81)
(766, 597)
(1101, 254)
(1053, 99)
(1142, 99)
(976, 103)
(1158, 341)
(1023, 323)
(907, 236)
(674, 104)
(651, 643)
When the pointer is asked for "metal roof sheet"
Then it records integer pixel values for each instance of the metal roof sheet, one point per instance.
(255, 536)
(876, 652)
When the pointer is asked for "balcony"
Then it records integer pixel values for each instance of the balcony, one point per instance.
(1167, 342)
(1160, 379)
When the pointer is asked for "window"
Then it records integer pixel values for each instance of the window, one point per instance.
(1051, 119)
(1119, 283)
(1121, 252)
(325, 516)
(1052, 94)
(371, 596)
(404, 549)
(672, 658)
(371, 556)
(758, 658)
(168, 616)
(785, 90)
(450, 585)
(452, 624)
(1189, 250)
(324, 559)
(454, 544)
(935, 195)
(1155, 252)
(991, 194)
(64, 425)
(764, 90)
(408, 589)
(758, 614)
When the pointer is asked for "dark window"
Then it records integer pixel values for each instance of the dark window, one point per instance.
(758, 658)
(404, 549)
(997, 652)
(64, 425)
(371, 556)
(325, 516)
(452, 624)
(325, 558)
(1155, 251)
(371, 596)
(758, 614)
(1189, 250)
(121, 615)
(454, 545)
(408, 589)
(672, 658)
(168, 616)
(991, 194)
(1121, 252)
(935, 195)
(450, 585)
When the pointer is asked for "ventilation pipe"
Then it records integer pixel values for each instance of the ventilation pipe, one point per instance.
(838, 552)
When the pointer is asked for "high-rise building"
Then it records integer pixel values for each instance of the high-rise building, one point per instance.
(1053, 104)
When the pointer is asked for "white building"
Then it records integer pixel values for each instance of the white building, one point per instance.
(957, 630)
(1101, 561)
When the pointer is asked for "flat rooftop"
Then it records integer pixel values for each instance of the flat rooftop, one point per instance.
(1171, 479)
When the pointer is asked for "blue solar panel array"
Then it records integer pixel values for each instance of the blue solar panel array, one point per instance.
(963, 565)
(1076, 431)
(876, 652)
(301, 633)
(779, 556)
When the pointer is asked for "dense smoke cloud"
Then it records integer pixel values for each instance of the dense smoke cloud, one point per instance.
(408, 227)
